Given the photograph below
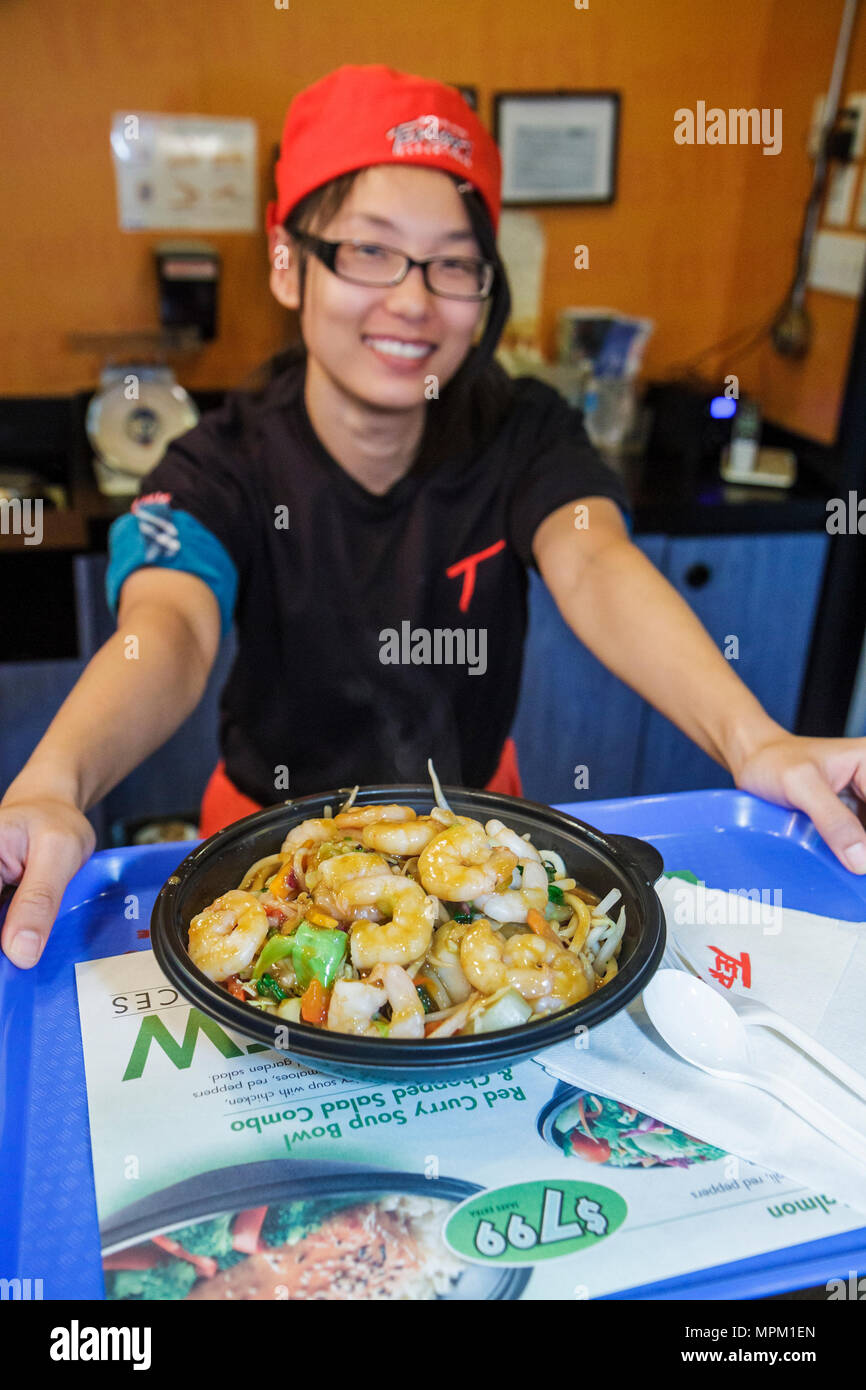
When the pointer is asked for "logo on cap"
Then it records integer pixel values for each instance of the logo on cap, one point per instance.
(431, 135)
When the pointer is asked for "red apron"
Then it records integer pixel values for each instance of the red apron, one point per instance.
(222, 803)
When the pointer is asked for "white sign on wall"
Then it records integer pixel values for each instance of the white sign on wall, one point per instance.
(182, 173)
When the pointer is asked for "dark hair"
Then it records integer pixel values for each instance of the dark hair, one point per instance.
(474, 401)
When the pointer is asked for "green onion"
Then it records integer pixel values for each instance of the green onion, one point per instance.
(268, 985)
(554, 894)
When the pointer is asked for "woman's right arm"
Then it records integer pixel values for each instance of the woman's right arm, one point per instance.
(133, 695)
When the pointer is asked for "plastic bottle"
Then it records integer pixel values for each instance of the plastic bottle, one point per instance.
(745, 436)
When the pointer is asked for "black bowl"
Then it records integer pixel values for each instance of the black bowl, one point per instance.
(598, 862)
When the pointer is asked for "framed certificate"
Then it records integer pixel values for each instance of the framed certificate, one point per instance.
(557, 147)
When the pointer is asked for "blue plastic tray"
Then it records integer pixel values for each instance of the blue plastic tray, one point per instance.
(49, 1223)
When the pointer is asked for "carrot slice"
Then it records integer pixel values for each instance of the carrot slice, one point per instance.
(314, 1003)
(284, 882)
(139, 1257)
(541, 927)
(319, 918)
(205, 1264)
(247, 1228)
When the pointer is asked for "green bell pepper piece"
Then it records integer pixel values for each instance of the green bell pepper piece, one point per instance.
(273, 950)
(317, 952)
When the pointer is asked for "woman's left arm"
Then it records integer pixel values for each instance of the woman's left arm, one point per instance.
(636, 623)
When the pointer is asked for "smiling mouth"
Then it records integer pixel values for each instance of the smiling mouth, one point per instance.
(400, 347)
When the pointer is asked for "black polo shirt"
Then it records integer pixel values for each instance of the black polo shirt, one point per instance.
(374, 632)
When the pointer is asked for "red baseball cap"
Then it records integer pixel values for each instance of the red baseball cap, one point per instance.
(358, 116)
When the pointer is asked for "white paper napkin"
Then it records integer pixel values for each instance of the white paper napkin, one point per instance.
(811, 969)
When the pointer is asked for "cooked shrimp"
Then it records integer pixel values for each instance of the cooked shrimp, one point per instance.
(461, 863)
(490, 962)
(343, 868)
(570, 980)
(407, 1011)
(400, 837)
(225, 937)
(512, 904)
(352, 1005)
(309, 832)
(444, 956)
(528, 890)
(406, 936)
(360, 816)
(509, 839)
(327, 900)
(533, 874)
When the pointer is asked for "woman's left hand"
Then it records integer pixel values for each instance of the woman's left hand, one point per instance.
(807, 774)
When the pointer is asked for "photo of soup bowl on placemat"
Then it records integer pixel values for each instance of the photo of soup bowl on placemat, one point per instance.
(286, 1229)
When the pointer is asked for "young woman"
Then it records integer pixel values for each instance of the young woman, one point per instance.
(366, 519)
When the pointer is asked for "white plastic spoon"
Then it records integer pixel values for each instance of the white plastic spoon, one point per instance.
(752, 1011)
(700, 1026)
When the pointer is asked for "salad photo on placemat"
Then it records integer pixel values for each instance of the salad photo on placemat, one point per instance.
(600, 1130)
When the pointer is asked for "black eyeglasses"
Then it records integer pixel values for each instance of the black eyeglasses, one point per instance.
(365, 263)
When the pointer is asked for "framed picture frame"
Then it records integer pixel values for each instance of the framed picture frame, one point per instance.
(559, 148)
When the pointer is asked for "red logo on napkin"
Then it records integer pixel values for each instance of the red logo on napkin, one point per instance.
(727, 968)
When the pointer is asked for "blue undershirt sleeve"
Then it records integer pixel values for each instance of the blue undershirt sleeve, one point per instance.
(158, 534)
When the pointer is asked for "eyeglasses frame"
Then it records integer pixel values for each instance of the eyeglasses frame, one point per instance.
(326, 252)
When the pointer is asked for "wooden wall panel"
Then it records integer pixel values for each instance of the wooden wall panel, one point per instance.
(701, 239)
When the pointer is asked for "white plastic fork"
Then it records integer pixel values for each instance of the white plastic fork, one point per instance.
(752, 1011)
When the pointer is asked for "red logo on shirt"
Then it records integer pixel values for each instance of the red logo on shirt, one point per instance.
(468, 567)
(163, 497)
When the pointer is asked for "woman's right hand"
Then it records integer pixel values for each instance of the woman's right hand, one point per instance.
(43, 842)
